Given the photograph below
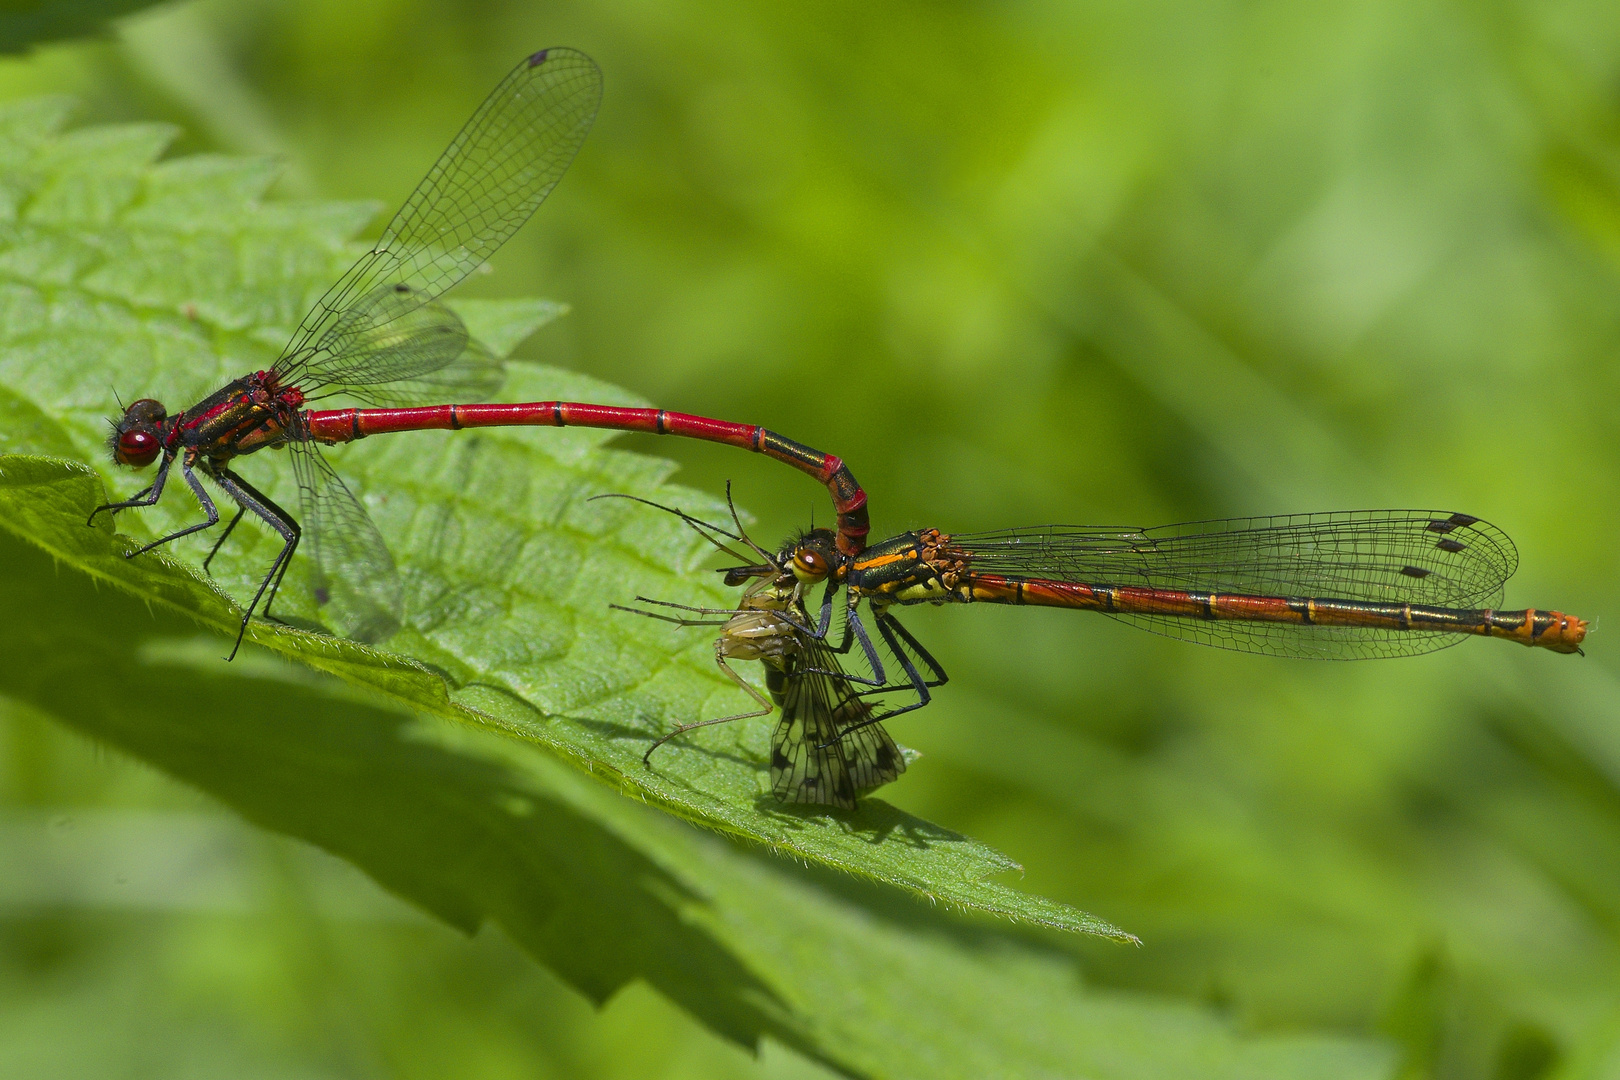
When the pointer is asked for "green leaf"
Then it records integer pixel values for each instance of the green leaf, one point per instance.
(474, 826)
(168, 280)
(503, 324)
(475, 766)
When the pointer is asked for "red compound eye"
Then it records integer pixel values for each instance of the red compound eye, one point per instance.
(138, 448)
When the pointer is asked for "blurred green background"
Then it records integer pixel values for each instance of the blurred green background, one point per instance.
(1016, 263)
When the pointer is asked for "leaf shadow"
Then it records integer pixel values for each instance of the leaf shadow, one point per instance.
(874, 820)
(464, 836)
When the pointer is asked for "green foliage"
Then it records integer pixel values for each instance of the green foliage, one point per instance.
(25, 23)
(438, 767)
(1085, 263)
(180, 275)
(475, 826)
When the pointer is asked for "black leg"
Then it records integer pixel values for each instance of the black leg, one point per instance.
(826, 611)
(892, 623)
(852, 622)
(224, 536)
(147, 496)
(891, 629)
(202, 497)
(263, 501)
(250, 498)
(842, 649)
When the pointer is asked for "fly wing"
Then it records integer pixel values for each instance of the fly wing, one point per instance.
(487, 183)
(352, 575)
(1433, 558)
(807, 762)
(810, 761)
(870, 752)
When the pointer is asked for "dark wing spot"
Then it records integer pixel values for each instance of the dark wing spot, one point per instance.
(538, 58)
(1440, 526)
(779, 760)
(1451, 545)
(1415, 571)
(322, 596)
(402, 288)
(1462, 520)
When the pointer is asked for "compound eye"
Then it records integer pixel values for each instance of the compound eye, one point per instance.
(137, 448)
(809, 565)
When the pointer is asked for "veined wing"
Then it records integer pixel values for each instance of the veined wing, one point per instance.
(810, 763)
(487, 183)
(423, 356)
(1422, 557)
(352, 575)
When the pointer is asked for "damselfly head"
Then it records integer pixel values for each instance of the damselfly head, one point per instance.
(812, 556)
(137, 438)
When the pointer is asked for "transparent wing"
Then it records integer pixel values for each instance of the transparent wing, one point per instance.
(810, 763)
(486, 184)
(1425, 557)
(423, 356)
(352, 575)
(474, 375)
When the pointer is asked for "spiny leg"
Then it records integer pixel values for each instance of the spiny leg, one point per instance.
(888, 622)
(890, 627)
(842, 649)
(278, 519)
(266, 501)
(147, 496)
(224, 536)
(202, 497)
(852, 622)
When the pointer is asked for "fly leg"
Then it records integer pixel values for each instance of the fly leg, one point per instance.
(765, 705)
(724, 650)
(251, 499)
(785, 616)
(679, 607)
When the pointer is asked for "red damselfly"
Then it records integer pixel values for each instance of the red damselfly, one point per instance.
(1332, 586)
(811, 760)
(379, 335)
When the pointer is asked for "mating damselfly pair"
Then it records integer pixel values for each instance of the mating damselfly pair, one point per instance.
(1380, 583)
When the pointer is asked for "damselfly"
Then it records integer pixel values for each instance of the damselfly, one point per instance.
(1332, 586)
(380, 335)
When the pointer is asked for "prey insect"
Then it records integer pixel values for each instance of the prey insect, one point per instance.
(811, 760)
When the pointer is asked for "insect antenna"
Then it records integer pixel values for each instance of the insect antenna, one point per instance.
(710, 531)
